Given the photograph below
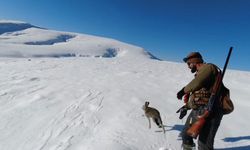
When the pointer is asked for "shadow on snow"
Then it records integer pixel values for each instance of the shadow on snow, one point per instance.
(236, 148)
(235, 139)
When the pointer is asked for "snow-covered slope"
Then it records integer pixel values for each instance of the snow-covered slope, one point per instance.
(89, 103)
(19, 39)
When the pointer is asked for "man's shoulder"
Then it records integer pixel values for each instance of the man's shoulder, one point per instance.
(210, 67)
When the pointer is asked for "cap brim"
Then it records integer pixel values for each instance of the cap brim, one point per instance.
(185, 59)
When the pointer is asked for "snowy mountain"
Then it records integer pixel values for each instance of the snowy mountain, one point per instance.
(70, 91)
(20, 39)
(12, 26)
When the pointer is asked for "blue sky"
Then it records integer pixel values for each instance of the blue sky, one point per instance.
(169, 29)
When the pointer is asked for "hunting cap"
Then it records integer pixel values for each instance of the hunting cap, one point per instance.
(193, 57)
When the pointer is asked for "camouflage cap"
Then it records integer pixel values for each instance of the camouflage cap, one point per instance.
(193, 57)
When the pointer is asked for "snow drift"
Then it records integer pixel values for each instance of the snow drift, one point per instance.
(91, 98)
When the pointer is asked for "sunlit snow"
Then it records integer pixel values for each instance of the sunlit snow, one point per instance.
(70, 91)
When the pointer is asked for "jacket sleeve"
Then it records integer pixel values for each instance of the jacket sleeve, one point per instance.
(204, 76)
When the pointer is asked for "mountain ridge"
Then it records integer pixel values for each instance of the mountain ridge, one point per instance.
(21, 39)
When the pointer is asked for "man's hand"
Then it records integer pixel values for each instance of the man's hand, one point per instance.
(183, 111)
(180, 94)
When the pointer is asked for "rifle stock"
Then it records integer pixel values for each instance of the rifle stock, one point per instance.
(196, 127)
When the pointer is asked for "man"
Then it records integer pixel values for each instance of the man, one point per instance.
(200, 90)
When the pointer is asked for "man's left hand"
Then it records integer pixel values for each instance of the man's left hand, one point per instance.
(183, 111)
(180, 94)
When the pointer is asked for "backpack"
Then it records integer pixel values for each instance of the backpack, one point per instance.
(225, 101)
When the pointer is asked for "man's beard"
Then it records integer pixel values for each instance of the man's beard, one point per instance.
(193, 69)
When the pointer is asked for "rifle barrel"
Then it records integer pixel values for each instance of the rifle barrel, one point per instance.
(226, 63)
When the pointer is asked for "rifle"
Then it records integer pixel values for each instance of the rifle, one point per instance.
(195, 129)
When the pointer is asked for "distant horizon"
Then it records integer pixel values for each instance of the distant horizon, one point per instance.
(167, 29)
